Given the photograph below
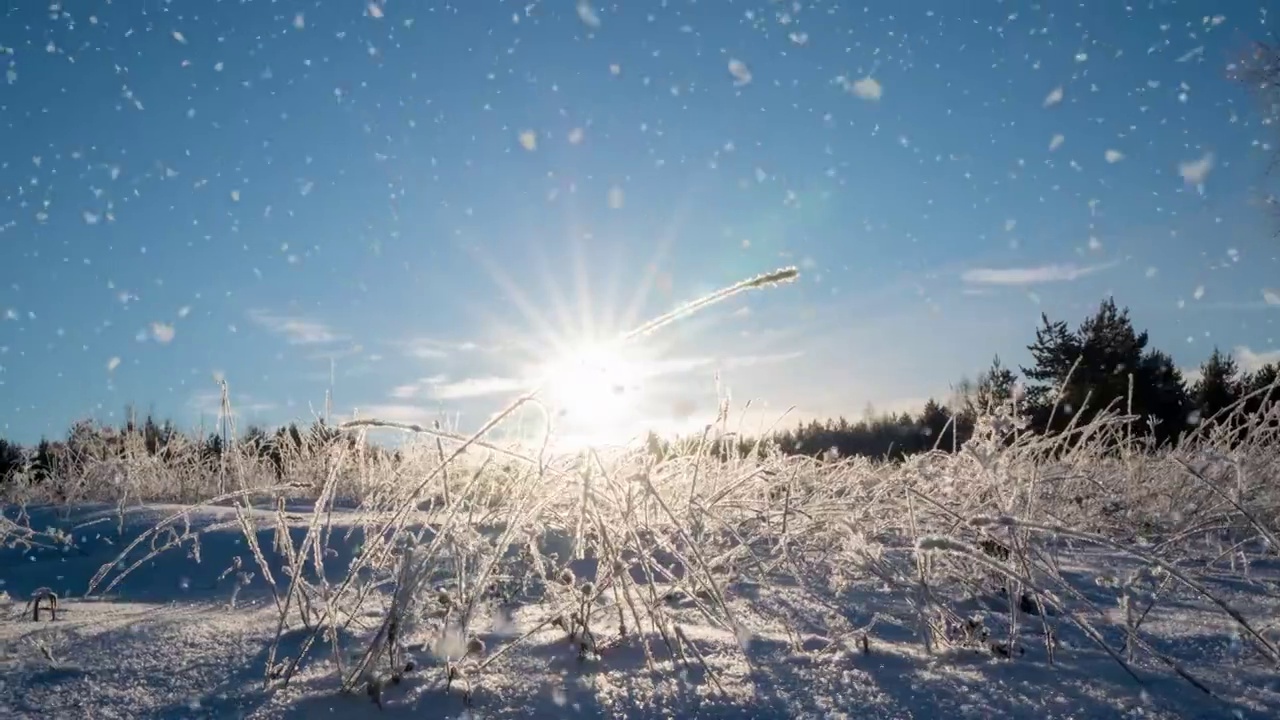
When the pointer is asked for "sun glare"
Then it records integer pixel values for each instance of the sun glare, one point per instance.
(592, 386)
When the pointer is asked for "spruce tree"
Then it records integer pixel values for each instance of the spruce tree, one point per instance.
(1218, 387)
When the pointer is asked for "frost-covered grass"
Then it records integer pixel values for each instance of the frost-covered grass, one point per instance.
(1085, 575)
(1143, 584)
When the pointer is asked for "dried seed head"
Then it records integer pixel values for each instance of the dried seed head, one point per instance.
(566, 576)
(475, 647)
(444, 599)
(588, 589)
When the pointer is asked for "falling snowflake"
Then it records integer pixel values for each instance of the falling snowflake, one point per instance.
(1056, 142)
(177, 35)
(1190, 54)
(375, 11)
(112, 364)
(529, 140)
(162, 332)
(1114, 156)
(616, 197)
(738, 69)
(868, 88)
(1271, 297)
(1199, 293)
(1195, 172)
(575, 136)
(1054, 97)
(587, 14)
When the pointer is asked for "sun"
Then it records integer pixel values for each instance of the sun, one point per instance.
(592, 387)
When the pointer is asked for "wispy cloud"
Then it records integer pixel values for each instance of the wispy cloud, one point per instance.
(296, 330)
(680, 365)
(752, 360)
(441, 387)
(477, 387)
(397, 412)
(418, 388)
(435, 349)
(1266, 304)
(336, 353)
(1035, 275)
(1251, 361)
(209, 402)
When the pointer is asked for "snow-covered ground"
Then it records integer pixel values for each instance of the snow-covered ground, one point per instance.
(188, 633)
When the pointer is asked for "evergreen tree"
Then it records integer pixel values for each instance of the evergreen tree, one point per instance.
(1262, 389)
(1218, 387)
(47, 462)
(13, 459)
(1103, 365)
(1161, 397)
(937, 426)
(1054, 353)
(996, 388)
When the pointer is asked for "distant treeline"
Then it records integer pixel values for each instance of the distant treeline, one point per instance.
(1104, 364)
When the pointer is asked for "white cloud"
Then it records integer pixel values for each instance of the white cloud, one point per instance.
(210, 403)
(477, 387)
(433, 349)
(752, 360)
(1251, 361)
(297, 330)
(397, 412)
(439, 387)
(1031, 275)
(336, 353)
(1191, 376)
(680, 365)
(417, 388)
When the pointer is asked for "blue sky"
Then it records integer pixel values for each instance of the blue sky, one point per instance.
(425, 201)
